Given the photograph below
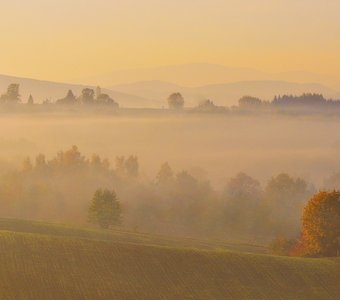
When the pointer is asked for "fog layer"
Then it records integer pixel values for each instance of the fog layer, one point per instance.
(220, 145)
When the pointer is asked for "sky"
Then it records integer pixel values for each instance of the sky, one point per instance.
(66, 40)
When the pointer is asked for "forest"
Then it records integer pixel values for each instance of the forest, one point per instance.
(173, 202)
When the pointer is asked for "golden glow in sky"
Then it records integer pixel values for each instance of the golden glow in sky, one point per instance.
(74, 39)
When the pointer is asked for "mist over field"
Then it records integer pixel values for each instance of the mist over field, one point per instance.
(170, 169)
(184, 149)
(213, 146)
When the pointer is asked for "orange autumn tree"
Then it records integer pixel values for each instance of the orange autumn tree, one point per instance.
(321, 224)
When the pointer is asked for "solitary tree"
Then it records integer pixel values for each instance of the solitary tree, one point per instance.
(12, 95)
(105, 209)
(176, 101)
(321, 224)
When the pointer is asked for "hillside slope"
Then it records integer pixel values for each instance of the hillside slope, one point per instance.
(42, 90)
(154, 93)
(37, 266)
(223, 94)
(123, 236)
(199, 74)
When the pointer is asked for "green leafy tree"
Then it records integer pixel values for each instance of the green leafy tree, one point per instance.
(105, 209)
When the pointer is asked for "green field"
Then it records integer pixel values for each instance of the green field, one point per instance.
(119, 235)
(46, 261)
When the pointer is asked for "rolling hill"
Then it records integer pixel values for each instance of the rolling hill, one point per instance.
(223, 94)
(117, 235)
(265, 90)
(153, 93)
(49, 266)
(200, 74)
(42, 90)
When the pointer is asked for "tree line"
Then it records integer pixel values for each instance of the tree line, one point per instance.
(320, 234)
(88, 96)
(311, 100)
(176, 101)
(61, 188)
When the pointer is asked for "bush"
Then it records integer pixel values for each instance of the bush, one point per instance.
(283, 246)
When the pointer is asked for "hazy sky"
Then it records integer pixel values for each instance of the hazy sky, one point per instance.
(71, 39)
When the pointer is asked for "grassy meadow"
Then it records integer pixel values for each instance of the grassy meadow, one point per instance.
(47, 261)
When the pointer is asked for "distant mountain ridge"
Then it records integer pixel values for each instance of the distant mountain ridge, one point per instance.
(200, 74)
(224, 94)
(153, 93)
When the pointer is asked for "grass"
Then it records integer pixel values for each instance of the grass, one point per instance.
(119, 235)
(42, 265)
